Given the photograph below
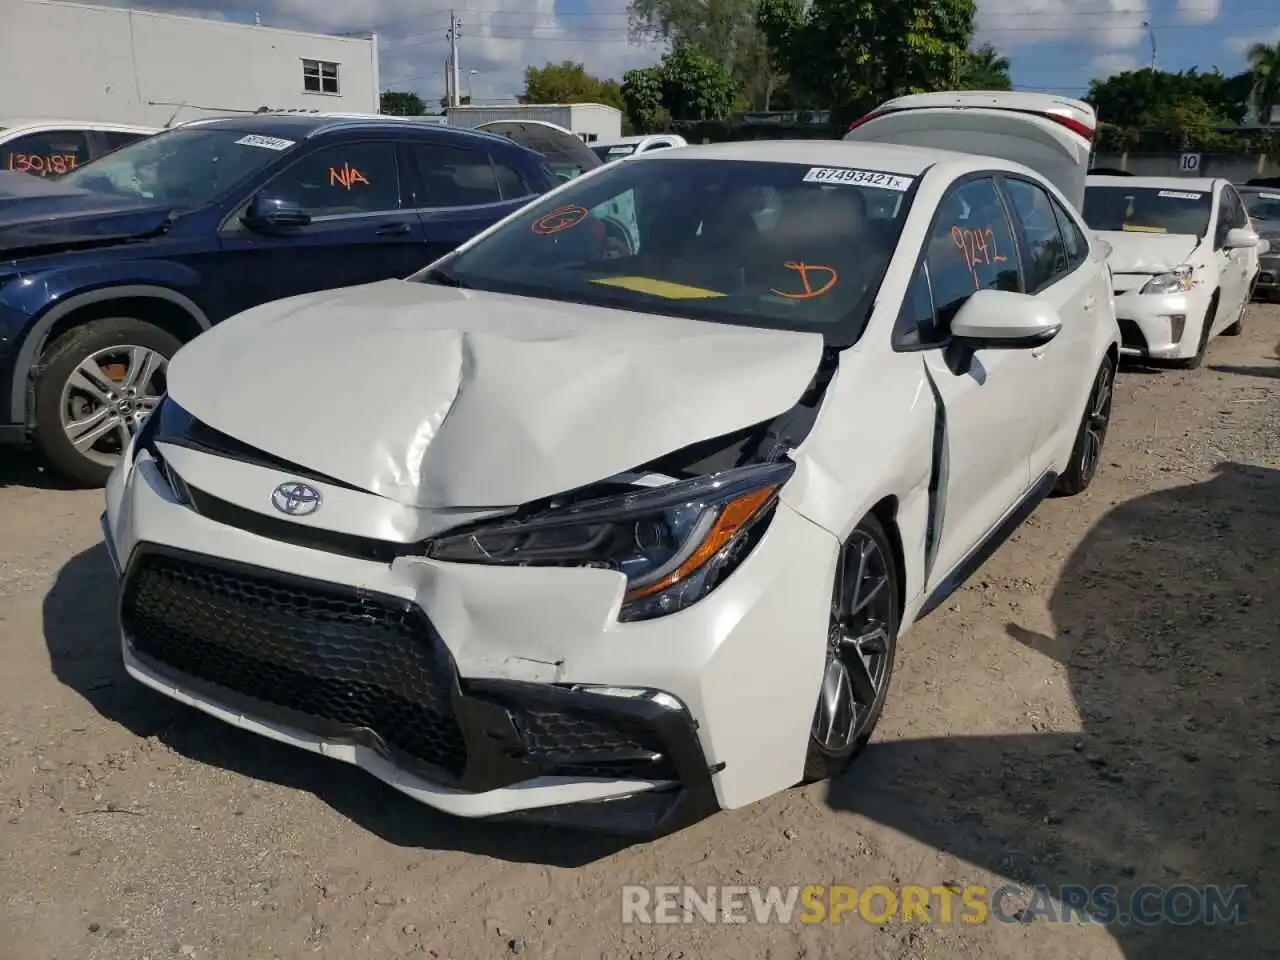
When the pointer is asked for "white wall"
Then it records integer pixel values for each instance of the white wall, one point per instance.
(130, 66)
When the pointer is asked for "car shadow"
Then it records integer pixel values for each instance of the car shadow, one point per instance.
(84, 650)
(1271, 373)
(20, 468)
(1166, 621)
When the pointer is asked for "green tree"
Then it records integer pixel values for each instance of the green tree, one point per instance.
(1137, 99)
(399, 103)
(984, 69)
(1264, 72)
(462, 102)
(696, 87)
(642, 97)
(855, 54)
(725, 31)
(568, 82)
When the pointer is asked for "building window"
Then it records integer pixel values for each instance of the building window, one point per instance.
(319, 76)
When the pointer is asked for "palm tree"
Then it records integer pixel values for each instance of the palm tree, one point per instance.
(984, 69)
(1264, 65)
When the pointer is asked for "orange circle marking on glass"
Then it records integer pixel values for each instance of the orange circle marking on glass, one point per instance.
(561, 218)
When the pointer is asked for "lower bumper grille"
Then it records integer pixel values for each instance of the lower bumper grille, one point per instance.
(349, 658)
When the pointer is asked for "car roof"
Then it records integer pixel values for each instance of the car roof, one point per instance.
(301, 126)
(884, 157)
(1198, 184)
(12, 124)
(641, 138)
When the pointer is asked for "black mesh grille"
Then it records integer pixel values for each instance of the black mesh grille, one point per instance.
(330, 653)
(593, 746)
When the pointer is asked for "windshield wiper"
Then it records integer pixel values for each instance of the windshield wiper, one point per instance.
(444, 278)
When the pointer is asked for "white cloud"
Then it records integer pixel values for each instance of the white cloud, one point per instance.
(1106, 64)
(499, 38)
(1199, 11)
(1106, 24)
(1238, 45)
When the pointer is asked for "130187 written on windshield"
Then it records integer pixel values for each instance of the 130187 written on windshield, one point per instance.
(41, 164)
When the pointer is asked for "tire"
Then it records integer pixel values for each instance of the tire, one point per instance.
(1202, 348)
(866, 608)
(1091, 436)
(63, 398)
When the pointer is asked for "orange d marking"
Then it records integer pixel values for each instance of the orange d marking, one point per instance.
(806, 272)
(561, 218)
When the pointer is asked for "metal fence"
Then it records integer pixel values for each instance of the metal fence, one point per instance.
(1236, 167)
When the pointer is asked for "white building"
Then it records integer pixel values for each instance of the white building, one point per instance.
(590, 121)
(72, 61)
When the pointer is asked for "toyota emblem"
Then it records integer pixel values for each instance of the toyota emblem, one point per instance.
(296, 499)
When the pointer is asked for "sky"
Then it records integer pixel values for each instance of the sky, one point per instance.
(1054, 45)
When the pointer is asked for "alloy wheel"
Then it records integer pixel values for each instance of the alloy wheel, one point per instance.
(1097, 420)
(858, 646)
(108, 396)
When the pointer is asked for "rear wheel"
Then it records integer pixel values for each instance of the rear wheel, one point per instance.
(1087, 452)
(862, 638)
(93, 388)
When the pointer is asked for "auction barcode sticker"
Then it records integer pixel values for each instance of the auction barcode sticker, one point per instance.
(858, 178)
(267, 143)
(1179, 195)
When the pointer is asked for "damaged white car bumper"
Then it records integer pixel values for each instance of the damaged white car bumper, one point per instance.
(1161, 326)
(480, 691)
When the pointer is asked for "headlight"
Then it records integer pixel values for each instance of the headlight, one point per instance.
(1177, 280)
(674, 543)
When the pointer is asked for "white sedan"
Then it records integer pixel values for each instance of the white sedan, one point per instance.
(620, 538)
(1185, 258)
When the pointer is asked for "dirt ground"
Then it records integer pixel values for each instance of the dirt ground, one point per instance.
(1099, 705)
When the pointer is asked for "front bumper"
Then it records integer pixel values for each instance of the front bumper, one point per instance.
(1160, 326)
(479, 700)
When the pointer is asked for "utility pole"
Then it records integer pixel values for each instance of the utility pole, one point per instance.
(1152, 34)
(455, 33)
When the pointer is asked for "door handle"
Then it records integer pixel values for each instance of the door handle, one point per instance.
(1089, 302)
(393, 230)
(1038, 352)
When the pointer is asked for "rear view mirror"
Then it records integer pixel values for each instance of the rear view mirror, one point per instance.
(1241, 238)
(270, 215)
(998, 319)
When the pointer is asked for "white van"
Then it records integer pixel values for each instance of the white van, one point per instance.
(1051, 135)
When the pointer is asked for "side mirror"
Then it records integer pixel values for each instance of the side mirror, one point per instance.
(1241, 238)
(1000, 320)
(1264, 246)
(269, 215)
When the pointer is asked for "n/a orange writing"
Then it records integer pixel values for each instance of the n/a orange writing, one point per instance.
(977, 247)
(346, 176)
(808, 273)
(42, 164)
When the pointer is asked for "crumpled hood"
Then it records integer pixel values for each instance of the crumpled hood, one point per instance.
(437, 397)
(1147, 253)
(36, 213)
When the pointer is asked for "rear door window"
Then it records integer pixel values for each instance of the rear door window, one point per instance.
(1044, 254)
(47, 153)
(452, 176)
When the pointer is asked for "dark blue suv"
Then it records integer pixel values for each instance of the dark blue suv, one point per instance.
(107, 271)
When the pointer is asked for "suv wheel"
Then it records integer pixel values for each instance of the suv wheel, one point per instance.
(93, 388)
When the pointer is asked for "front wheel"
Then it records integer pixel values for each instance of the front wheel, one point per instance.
(862, 638)
(1087, 452)
(94, 387)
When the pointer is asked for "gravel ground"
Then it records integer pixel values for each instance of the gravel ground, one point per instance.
(1098, 705)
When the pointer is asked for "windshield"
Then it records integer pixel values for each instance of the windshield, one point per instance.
(185, 168)
(1262, 204)
(1148, 210)
(778, 245)
(607, 152)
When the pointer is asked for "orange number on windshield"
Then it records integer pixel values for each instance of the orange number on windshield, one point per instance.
(806, 271)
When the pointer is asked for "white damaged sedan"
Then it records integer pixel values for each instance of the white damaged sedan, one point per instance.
(616, 535)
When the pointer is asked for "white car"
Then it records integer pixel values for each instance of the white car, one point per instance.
(50, 147)
(610, 150)
(619, 541)
(1185, 258)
